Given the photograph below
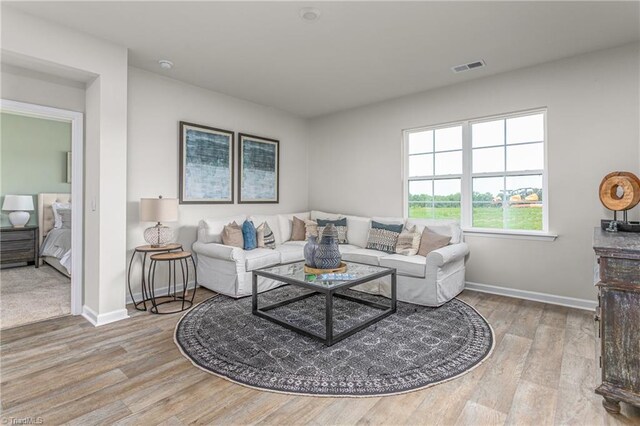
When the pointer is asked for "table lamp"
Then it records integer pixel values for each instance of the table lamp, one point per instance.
(158, 210)
(19, 206)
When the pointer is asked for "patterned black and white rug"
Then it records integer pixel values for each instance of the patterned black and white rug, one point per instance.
(412, 349)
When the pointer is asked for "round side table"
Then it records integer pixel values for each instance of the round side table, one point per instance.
(182, 257)
(144, 250)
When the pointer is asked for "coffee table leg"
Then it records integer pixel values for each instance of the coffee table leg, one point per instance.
(394, 298)
(254, 293)
(329, 319)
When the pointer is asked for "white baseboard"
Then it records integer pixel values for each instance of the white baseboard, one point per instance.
(101, 319)
(159, 292)
(533, 295)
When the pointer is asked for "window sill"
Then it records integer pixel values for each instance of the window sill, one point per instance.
(515, 235)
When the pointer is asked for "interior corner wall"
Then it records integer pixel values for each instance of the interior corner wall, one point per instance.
(156, 106)
(593, 128)
(105, 144)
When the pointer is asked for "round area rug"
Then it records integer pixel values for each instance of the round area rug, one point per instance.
(412, 349)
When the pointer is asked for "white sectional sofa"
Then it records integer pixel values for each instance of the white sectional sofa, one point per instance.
(430, 281)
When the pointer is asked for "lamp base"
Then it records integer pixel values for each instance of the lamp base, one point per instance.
(158, 236)
(19, 219)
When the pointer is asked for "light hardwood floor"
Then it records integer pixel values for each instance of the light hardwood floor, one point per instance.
(130, 372)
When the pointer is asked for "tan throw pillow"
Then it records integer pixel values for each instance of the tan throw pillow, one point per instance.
(232, 235)
(408, 242)
(298, 230)
(311, 229)
(431, 241)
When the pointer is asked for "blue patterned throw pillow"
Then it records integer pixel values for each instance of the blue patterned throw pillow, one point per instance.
(341, 227)
(249, 235)
(383, 237)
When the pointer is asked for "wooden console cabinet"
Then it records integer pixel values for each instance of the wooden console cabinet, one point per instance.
(618, 313)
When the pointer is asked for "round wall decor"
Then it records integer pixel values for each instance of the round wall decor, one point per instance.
(620, 191)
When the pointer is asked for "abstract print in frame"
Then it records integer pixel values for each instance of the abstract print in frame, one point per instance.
(206, 165)
(259, 164)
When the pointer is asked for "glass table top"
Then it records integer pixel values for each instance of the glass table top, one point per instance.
(295, 271)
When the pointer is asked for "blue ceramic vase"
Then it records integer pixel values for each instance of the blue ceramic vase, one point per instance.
(327, 255)
(310, 251)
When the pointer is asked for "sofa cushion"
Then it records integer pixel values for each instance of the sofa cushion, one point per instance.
(358, 230)
(341, 227)
(389, 220)
(210, 230)
(291, 252)
(408, 242)
(273, 222)
(285, 225)
(431, 241)
(315, 215)
(249, 235)
(450, 228)
(370, 257)
(383, 237)
(261, 258)
(347, 248)
(232, 235)
(412, 266)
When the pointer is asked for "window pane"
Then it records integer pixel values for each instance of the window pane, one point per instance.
(449, 163)
(487, 134)
(446, 199)
(420, 142)
(488, 160)
(449, 138)
(525, 129)
(421, 165)
(487, 202)
(524, 207)
(525, 157)
(420, 198)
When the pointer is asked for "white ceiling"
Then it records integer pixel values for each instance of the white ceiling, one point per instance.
(356, 53)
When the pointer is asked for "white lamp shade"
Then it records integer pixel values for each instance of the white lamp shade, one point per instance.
(158, 209)
(18, 203)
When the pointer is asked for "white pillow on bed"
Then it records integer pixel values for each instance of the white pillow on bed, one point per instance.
(57, 220)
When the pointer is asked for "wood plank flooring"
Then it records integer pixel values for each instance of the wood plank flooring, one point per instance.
(64, 370)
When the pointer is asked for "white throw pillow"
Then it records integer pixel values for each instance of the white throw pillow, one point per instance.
(57, 219)
(358, 230)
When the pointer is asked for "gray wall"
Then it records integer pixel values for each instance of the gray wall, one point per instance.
(593, 129)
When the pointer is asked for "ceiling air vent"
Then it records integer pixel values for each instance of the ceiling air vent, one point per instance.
(467, 67)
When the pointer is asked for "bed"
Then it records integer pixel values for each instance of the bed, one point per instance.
(55, 243)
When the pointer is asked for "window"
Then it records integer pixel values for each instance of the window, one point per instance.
(488, 173)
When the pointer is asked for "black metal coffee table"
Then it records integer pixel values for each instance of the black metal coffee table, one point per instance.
(293, 274)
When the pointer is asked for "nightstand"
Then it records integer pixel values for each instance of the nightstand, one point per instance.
(19, 245)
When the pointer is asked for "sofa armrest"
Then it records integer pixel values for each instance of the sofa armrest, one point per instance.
(447, 254)
(219, 251)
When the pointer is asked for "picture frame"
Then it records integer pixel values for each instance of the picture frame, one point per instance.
(258, 170)
(206, 165)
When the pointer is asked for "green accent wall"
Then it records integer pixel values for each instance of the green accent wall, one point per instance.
(33, 158)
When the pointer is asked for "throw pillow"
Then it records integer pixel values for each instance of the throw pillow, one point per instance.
(298, 230)
(383, 237)
(265, 237)
(249, 235)
(65, 218)
(311, 229)
(232, 235)
(408, 242)
(431, 241)
(341, 227)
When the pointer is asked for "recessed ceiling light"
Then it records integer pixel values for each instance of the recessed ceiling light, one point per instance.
(165, 64)
(310, 13)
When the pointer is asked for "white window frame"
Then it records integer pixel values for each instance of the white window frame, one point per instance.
(466, 185)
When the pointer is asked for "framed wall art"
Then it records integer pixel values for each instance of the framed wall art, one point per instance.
(206, 165)
(259, 169)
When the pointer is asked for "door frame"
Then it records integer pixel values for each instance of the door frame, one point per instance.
(77, 192)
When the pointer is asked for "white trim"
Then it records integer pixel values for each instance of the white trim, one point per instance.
(159, 291)
(102, 319)
(509, 234)
(77, 145)
(533, 295)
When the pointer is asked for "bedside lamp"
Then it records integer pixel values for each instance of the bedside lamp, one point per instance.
(158, 210)
(18, 205)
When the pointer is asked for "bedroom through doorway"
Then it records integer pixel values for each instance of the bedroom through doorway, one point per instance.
(38, 232)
